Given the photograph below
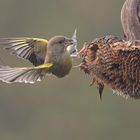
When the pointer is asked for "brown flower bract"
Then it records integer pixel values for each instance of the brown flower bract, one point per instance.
(113, 62)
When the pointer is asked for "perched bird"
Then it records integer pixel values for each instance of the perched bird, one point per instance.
(47, 57)
(113, 62)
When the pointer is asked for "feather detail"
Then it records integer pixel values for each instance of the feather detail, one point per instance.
(32, 49)
(23, 74)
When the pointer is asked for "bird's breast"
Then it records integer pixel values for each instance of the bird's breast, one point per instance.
(62, 65)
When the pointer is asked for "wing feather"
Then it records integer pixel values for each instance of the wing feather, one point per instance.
(31, 49)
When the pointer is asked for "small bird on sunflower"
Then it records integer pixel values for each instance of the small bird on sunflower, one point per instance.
(53, 56)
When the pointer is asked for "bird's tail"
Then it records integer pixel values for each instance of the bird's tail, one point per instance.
(23, 74)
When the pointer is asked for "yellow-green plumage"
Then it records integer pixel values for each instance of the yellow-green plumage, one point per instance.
(63, 66)
(32, 49)
(47, 56)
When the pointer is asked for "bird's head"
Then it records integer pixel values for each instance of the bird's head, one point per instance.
(59, 43)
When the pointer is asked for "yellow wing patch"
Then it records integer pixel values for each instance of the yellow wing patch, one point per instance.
(40, 42)
(47, 65)
(43, 66)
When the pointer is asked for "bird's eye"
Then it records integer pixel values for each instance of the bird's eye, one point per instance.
(61, 41)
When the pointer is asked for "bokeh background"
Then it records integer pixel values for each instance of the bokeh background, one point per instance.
(63, 109)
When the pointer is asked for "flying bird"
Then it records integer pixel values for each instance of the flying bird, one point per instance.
(116, 62)
(53, 57)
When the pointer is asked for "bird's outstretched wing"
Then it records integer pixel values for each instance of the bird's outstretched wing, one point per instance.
(32, 49)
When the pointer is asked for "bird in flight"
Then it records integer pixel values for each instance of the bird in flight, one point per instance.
(116, 62)
(53, 57)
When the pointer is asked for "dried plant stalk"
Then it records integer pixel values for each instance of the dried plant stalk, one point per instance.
(130, 19)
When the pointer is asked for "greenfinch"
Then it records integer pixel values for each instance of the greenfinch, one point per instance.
(52, 57)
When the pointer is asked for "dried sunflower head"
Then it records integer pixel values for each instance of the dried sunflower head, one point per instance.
(113, 62)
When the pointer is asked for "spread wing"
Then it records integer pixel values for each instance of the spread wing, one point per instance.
(32, 49)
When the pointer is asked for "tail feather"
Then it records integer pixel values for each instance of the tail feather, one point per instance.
(25, 75)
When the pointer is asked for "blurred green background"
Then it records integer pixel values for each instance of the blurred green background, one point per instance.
(63, 109)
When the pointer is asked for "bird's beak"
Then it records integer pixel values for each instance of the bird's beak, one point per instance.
(72, 48)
